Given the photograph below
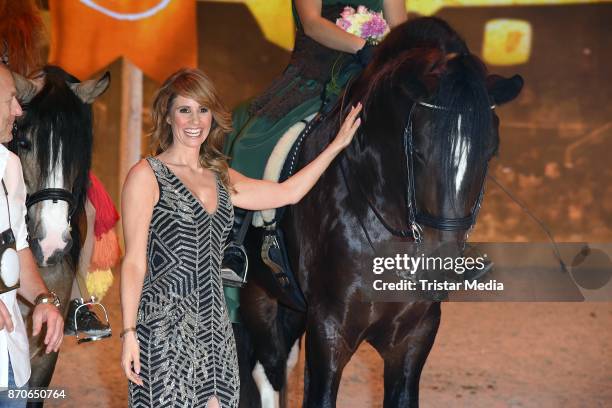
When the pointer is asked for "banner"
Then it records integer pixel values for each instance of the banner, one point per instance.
(158, 36)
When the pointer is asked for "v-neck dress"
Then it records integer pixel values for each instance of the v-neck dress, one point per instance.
(187, 347)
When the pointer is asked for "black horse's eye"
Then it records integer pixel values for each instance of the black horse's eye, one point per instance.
(418, 155)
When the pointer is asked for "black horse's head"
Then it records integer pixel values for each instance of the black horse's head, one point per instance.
(429, 131)
(53, 140)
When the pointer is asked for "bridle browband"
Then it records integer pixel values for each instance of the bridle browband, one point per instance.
(416, 219)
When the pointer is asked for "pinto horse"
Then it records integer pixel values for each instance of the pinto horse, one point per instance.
(53, 140)
(414, 172)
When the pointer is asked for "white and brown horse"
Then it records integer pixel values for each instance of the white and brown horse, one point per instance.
(53, 140)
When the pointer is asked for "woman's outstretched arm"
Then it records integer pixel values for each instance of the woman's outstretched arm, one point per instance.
(253, 194)
(137, 200)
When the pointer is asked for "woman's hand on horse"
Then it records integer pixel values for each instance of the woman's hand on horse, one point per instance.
(131, 355)
(50, 314)
(5, 318)
(349, 127)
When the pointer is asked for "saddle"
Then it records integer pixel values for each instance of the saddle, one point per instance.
(280, 166)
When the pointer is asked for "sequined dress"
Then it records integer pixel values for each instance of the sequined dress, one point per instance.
(187, 348)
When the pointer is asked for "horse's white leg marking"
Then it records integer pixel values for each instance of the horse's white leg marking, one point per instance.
(54, 216)
(294, 354)
(269, 397)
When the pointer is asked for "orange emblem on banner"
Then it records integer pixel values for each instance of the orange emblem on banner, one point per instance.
(158, 36)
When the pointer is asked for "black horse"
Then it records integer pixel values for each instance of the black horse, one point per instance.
(415, 171)
(54, 140)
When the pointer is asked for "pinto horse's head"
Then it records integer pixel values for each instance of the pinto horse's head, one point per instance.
(54, 143)
(430, 129)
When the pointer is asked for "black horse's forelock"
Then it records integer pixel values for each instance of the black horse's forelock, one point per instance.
(462, 91)
(57, 111)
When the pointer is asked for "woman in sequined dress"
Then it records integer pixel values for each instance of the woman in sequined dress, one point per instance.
(178, 344)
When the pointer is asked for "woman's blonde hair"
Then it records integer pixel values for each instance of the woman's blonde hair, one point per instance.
(193, 84)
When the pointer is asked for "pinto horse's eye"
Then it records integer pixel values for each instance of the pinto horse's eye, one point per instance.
(24, 144)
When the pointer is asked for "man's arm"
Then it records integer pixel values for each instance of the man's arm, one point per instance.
(30, 286)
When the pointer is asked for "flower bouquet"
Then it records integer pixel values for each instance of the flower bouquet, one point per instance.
(364, 23)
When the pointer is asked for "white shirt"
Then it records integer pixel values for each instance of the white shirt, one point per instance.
(14, 344)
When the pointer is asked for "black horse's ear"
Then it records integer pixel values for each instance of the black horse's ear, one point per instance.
(502, 90)
(420, 89)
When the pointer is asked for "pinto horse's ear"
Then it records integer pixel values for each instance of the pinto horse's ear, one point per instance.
(89, 90)
(27, 88)
(503, 90)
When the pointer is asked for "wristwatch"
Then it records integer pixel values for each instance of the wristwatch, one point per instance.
(49, 298)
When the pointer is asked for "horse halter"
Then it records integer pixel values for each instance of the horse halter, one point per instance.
(55, 195)
(416, 218)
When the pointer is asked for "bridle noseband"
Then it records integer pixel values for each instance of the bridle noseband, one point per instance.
(416, 218)
(55, 195)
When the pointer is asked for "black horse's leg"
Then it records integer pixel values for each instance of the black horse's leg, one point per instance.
(249, 395)
(267, 329)
(405, 355)
(328, 350)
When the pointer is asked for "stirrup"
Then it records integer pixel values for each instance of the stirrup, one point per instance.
(235, 266)
(91, 337)
(270, 242)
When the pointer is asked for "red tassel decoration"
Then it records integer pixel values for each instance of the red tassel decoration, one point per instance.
(106, 213)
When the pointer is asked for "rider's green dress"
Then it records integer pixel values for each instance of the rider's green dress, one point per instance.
(315, 73)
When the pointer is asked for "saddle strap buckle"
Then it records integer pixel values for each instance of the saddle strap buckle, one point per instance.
(417, 231)
(270, 242)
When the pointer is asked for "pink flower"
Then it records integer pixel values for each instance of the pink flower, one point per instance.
(374, 28)
(362, 10)
(348, 11)
(342, 23)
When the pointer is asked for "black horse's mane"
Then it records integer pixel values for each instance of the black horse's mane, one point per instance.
(57, 110)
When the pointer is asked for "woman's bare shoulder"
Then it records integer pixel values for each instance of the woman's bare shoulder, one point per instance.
(140, 179)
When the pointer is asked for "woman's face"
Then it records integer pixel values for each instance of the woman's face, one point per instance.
(190, 122)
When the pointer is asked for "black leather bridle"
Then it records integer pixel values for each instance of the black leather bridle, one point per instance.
(55, 195)
(416, 219)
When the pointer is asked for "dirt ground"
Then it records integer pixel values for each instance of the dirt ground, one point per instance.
(485, 355)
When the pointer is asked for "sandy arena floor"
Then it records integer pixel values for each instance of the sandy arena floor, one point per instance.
(485, 355)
